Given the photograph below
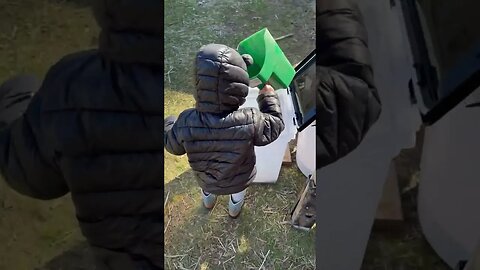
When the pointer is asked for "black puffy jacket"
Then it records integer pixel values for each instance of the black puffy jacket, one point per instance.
(81, 131)
(218, 137)
(347, 101)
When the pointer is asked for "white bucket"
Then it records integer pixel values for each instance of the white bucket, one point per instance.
(306, 151)
(270, 157)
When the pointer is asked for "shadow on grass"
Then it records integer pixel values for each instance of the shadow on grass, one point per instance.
(77, 258)
(197, 238)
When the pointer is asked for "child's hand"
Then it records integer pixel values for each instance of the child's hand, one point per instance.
(267, 89)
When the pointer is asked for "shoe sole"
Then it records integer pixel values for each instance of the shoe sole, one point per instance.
(211, 207)
(235, 217)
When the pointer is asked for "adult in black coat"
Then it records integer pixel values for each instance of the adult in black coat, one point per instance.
(347, 101)
(81, 130)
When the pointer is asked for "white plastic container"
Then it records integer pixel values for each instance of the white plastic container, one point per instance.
(306, 151)
(270, 157)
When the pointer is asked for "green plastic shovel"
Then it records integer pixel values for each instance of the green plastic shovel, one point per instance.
(270, 63)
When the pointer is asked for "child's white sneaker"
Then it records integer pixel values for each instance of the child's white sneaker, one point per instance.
(209, 200)
(235, 204)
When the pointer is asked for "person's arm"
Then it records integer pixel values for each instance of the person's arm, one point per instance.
(24, 168)
(347, 101)
(268, 123)
(171, 140)
(23, 165)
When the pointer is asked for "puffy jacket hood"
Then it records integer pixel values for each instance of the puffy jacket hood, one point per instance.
(132, 30)
(221, 79)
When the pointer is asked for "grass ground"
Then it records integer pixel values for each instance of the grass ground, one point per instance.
(189, 24)
(403, 246)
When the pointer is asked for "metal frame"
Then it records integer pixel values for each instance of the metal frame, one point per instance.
(302, 120)
(439, 95)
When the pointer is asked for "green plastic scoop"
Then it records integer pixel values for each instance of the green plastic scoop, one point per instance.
(270, 63)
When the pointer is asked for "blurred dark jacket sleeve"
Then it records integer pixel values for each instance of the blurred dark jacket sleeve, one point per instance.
(347, 101)
(22, 164)
(170, 137)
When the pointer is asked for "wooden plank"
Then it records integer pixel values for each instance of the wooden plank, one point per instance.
(287, 158)
(390, 206)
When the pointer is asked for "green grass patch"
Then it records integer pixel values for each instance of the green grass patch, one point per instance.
(175, 103)
(189, 24)
(196, 236)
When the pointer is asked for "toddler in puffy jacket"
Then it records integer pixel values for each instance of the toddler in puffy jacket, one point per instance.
(216, 135)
